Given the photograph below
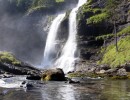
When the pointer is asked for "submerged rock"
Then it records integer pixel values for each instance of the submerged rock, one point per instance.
(70, 81)
(53, 75)
(26, 85)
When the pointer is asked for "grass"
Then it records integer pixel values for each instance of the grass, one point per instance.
(114, 58)
(85, 74)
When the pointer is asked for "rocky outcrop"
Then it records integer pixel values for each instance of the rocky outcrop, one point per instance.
(87, 43)
(11, 65)
(53, 75)
(88, 46)
(21, 69)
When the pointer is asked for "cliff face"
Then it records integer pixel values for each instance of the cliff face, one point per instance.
(93, 22)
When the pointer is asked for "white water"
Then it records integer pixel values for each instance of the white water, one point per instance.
(13, 82)
(50, 48)
(68, 57)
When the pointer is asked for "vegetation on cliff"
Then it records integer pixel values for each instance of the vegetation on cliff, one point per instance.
(6, 57)
(114, 58)
(29, 6)
(107, 21)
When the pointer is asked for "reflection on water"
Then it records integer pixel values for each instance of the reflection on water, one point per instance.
(67, 92)
(64, 91)
(89, 90)
(58, 91)
(116, 90)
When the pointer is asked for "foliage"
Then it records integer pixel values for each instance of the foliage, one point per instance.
(7, 57)
(113, 58)
(111, 9)
(125, 31)
(30, 5)
(97, 18)
(59, 0)
(35, 9)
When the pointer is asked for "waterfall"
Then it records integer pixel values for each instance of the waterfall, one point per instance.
(50, 48)
(68, 55)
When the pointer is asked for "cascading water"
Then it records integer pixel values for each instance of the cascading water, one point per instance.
(68, 56)
(50, 48)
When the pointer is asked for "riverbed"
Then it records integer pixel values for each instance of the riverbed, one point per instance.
(88, 89)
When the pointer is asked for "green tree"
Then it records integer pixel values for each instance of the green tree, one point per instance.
(111, 9)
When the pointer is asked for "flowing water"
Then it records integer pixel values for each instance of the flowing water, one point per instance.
(90, 89)
(50, 48)
(68, 55)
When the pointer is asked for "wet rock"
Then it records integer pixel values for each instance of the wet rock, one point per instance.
(53, 75)
(23, 82)
(70, 81)
(26, 85)
(33, 77)
(6, 76)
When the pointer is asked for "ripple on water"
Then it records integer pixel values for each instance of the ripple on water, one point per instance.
(90, 90)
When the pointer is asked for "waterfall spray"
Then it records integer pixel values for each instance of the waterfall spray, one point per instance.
(50, 48)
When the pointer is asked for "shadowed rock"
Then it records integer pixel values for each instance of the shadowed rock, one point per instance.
(53, 75)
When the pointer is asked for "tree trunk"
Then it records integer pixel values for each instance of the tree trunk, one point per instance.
(116, 41)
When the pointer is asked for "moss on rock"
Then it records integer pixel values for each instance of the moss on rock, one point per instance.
(53, 75)
(7, 57)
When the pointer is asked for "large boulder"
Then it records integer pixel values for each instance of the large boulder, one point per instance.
(53, 75)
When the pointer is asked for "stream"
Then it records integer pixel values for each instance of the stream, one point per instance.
(88, 89)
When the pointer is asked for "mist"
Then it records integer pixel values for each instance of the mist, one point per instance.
(20, 34)
(24, 36)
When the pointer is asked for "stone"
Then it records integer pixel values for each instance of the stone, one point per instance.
(70, 81)
(104, 67)
(21, 69)
(23, 82)
(122, 72)
(26, 85)
(111, 71)
(127, 67)
(53, 75)
(33, 77)
(101, 72)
